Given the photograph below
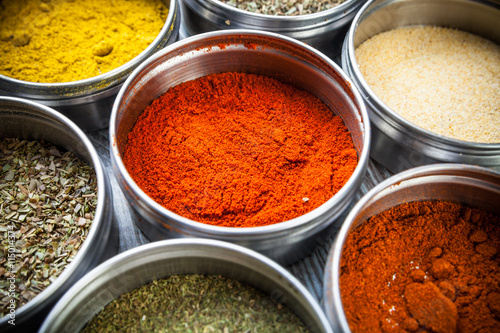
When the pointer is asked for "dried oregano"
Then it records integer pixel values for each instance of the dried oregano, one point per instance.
(47, 204)
(195, 303)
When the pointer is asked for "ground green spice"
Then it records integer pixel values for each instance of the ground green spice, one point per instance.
(195, 303)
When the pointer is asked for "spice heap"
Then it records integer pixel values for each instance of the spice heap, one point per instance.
(443, 80)
(195, 303)
(284, 7)
(428, 266)
(47, 201)
(239, 150)
(52, 41)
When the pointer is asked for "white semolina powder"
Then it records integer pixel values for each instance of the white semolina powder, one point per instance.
(444, 80)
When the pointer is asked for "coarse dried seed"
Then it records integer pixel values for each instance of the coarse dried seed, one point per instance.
(284, 7)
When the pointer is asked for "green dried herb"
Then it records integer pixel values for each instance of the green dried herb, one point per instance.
(195, 303)
(284, 7)
(47, 203)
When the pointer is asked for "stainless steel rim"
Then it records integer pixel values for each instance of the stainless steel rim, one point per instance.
(333, 302)
(101, 218)
(100, 84)
(342, 9)
(169, 249)
(391, 117)
(246, 233)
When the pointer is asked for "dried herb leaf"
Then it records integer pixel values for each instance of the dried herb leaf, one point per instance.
(195, 303)
(42, 223)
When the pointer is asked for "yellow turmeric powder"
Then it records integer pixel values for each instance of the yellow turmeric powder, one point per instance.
(51, 41)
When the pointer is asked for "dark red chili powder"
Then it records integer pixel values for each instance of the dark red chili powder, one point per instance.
(430, 266)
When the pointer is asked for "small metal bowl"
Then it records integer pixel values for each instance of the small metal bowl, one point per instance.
(141, 265)
(28, 120)
(88, 102)
(471, 185)
(324, 30)
(398, 144)
(273, 55)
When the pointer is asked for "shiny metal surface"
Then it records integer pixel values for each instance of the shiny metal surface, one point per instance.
(143, 264)
(32, 121)
(398, 144)
(276, 56)
(88, 102)
(472, 185)
(308, 270)
(324, 31)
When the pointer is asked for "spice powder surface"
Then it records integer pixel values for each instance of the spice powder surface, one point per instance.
(443, 80)
(429, 266)
(239, 150)
(67, 40)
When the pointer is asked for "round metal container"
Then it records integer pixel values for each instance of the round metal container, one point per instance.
(28, 120)
(271, 55)
(88, 102)
(141, 265)
(471, 185)
(398, 144)
(324, 30)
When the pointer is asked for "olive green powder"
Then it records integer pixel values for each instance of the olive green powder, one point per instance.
(195, 303)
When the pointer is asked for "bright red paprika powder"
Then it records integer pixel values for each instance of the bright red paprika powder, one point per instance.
(239, 150)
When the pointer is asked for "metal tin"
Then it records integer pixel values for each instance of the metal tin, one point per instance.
(397, 143)
(141, 265)
(472, 185)
(28, 120)
(88, 102)
(272, 55)
(324, 30)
